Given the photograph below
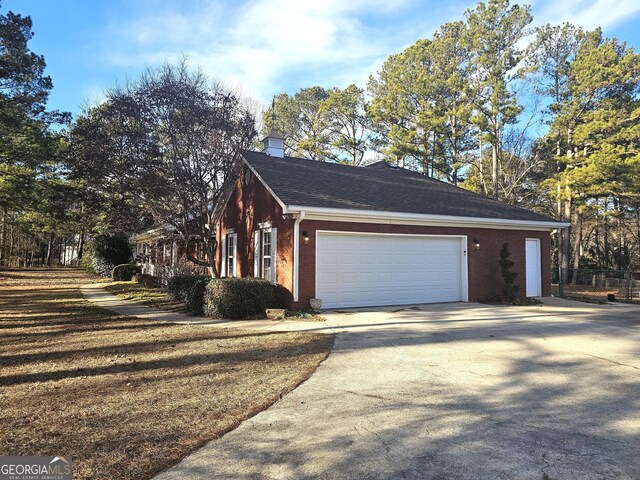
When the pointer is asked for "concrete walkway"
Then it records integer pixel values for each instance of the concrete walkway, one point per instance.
(95, 293)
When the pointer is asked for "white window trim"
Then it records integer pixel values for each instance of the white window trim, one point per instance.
(274, 255)
(258, 255)
(225, 254)
(266, 232)
(235, 255)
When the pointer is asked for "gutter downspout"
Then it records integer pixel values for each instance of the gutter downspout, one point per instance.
(296, 254)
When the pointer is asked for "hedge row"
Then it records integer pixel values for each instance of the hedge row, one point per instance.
(195, 296)
(124, 272)
(238, 298)
(233, 298)
(146, 280)
(178, 286)
(104, 252)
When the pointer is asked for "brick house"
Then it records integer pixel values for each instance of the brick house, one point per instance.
(376, 235)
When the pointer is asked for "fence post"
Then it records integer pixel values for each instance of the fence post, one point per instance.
(629, 285)
(560, 282)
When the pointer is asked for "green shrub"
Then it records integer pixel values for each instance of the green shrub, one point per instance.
(107, 251)
(178, 286)
(145, 280)
(238, 298)
(124, 272)
(86, 262)
(195, 296)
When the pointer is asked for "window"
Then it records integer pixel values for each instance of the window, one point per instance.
(198, 250)
(231, 254)
(265, 253)
(275, 142)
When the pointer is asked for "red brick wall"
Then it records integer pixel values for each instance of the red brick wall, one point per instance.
(252, 204)
(484, 274)
(248, 206)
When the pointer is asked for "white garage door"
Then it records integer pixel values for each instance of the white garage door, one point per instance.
(359, 270)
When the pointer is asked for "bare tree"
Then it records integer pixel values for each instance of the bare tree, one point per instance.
(195, 131)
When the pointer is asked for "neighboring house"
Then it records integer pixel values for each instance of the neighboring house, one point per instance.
(158, 252)
(69, 247)
(376, 235)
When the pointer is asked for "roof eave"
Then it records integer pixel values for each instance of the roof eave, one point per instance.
(154, 232)
(375, 216)
(265, 184)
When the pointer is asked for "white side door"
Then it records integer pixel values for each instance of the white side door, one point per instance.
(533, 267)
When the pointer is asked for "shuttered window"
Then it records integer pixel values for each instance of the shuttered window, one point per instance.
(264, 265)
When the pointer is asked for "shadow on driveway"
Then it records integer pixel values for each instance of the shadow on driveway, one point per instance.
(453, 392)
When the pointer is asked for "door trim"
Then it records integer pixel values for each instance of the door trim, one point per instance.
(464, 263)
(538, 249)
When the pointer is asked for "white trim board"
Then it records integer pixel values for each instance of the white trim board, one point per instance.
(399, 218)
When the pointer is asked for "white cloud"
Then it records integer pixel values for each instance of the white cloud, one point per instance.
(587, 14)
(269, 46)
(260, 44)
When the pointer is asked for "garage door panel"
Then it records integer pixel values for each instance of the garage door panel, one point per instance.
(387, 269)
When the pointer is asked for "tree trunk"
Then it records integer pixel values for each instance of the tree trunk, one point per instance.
(560, 236)
(597, 234)
(494, 171)
(576, 245)
(49, 249)
(559, 187)
(212, 260)
(81, 244)
(637, 227)
(3, 239)
(622, 260)
(566, 243)
(42, 254)
(11, 240)
(566, 216)
(483, 184)
(605, 252)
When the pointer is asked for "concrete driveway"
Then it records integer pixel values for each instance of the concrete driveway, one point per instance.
(455, 391)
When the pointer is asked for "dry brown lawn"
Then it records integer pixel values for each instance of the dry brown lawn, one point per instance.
(588, 293)
(153, 297)
(127, 397)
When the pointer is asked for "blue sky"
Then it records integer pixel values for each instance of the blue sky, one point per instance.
(263, 46)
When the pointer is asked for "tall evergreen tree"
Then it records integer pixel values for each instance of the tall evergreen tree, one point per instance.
(494, 31)
(29, 149)
(349, 124)
(420, 104)
(299, 118)
(595, 128)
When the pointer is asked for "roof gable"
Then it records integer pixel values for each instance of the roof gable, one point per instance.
(379, 187)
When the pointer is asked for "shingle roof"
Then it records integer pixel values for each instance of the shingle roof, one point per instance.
(379, 187)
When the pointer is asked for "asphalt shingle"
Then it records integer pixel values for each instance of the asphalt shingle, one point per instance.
(379, 187)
